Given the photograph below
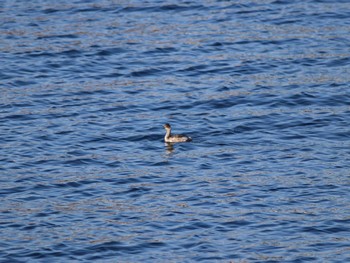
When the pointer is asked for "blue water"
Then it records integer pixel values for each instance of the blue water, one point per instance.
(262, 87)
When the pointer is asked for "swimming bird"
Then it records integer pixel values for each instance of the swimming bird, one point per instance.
(176, 137)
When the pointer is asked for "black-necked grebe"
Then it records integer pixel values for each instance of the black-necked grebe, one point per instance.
(174, 138)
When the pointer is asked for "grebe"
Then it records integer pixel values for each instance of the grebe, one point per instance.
(174, 138)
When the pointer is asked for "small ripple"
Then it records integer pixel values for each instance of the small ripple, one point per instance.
(110, 52)
(149, 72)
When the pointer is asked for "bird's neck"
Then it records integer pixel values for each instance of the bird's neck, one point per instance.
(168, 132)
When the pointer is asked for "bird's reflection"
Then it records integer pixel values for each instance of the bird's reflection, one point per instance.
(169, 147)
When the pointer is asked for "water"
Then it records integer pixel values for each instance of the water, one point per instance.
(261, 86)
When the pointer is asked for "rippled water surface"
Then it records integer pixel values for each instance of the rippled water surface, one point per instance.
(262, 87)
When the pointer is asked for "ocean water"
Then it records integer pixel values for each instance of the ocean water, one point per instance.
(262, 87)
